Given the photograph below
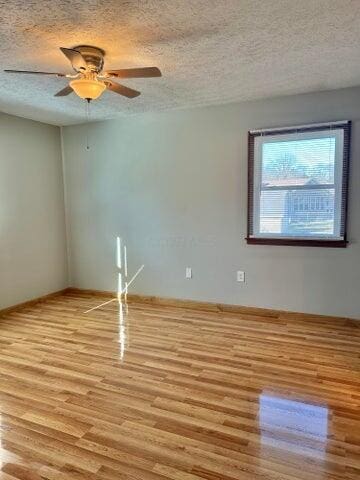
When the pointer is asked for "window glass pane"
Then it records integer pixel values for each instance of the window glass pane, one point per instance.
(298, 213)
(298, 162)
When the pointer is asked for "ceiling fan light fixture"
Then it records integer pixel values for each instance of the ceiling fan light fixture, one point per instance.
(90, 79)
(87, 88)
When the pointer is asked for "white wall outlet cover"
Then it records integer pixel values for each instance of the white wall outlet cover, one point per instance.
(240, 276)
(188, 272)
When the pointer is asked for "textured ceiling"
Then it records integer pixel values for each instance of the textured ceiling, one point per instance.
(210, 51)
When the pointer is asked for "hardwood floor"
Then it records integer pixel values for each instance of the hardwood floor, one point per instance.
(173, 393)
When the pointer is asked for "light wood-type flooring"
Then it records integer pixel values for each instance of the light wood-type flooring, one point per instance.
(160, 392)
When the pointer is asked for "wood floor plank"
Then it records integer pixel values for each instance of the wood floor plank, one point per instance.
(168, 392)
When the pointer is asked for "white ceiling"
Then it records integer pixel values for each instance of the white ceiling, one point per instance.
(210, 51)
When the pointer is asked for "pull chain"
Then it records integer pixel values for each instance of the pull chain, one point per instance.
(87, 111)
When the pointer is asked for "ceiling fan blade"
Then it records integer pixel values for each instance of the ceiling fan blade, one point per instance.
(76, 59)
(65, 91)
(36, 73)
(145, 72)
(121, 89)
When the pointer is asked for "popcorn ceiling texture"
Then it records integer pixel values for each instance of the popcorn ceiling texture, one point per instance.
(210, 51)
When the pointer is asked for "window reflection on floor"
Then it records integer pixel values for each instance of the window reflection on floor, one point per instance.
(123, 338)
(293, 425)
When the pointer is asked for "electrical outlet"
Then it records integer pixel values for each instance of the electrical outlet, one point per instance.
(240, 276)
(188, 272)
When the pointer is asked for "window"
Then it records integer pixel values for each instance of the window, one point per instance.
(298, 185)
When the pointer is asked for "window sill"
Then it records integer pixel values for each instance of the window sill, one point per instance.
(297, 243)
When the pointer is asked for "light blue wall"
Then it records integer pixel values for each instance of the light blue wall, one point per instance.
(33, 259)
(174, 186)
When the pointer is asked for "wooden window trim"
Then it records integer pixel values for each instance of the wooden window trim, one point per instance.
(346, 127)
(296, 242)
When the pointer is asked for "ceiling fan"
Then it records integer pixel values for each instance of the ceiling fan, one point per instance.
(90, 80)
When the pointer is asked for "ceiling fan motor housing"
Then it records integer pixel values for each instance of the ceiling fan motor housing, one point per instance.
(93, 56)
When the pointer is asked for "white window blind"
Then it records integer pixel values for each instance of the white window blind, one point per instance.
(297, 183)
